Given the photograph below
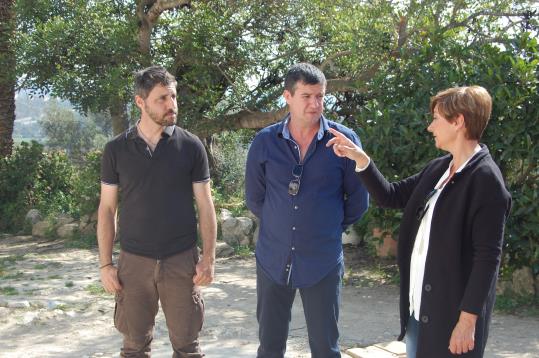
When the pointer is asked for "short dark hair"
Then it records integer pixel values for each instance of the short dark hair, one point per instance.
(148, 78)
(474, 103)
(303, 72)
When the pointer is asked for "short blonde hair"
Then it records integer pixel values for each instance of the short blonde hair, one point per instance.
(474, 103)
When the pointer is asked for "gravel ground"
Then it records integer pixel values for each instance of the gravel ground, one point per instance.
(52, 305)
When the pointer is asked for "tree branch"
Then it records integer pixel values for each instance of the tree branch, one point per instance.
(329, 60)
(242, 119)
(160, 6)
(455, 24)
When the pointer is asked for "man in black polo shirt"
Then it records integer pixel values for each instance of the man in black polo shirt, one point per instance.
(157, 168)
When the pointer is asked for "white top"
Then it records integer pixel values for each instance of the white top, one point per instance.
(421, 245)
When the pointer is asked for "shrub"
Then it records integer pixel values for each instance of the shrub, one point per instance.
(31, 178)
(18, 173)
(392, 125)
(230, 156)
(87, 184)
(53, 185)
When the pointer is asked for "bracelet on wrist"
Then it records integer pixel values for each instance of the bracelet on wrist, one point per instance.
(105, 265)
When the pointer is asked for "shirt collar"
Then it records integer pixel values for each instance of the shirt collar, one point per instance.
(132, 132)
(285, 132)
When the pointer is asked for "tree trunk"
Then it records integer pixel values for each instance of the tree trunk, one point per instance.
(212, 162)
(118, 115)
(7, 77)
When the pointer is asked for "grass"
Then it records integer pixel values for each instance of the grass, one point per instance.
(515, 304)
(43, 266)
(69, 284)
(31, 291)
(243, 251)
(95, 289)
(81, 241)
(7, 261)
(9, 291)
(13, 276)
(4, 261)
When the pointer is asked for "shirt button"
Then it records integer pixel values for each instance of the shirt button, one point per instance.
(295, 207)
(288, 265)
(293, 228)
(425, 319)
(428, 287)
(293, 248)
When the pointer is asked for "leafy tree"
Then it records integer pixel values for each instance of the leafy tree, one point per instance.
(85, 52)
(69, 131)
(7, 78)
(230, 56)
(383, 60)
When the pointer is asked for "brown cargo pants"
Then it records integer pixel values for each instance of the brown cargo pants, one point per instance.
(146, 281)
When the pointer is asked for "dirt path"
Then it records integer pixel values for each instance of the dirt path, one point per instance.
(51, 305)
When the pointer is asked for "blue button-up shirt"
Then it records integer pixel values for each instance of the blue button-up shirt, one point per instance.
(300, 236)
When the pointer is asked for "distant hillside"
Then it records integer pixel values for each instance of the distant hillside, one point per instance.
(28, 112)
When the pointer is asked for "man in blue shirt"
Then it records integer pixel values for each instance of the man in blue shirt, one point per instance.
(305, 197)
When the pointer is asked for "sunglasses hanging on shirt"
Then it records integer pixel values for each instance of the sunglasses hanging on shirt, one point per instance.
(293, 186)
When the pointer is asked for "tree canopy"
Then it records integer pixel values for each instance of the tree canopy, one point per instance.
(230, 56)
(383, 60)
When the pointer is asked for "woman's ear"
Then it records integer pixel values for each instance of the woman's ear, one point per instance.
(459, 122)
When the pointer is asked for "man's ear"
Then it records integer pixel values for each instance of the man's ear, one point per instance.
(287, 95)
(139, 102)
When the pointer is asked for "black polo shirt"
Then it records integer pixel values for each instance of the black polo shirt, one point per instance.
(157, 214)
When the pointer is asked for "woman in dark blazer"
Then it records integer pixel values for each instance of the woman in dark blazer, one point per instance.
(450, 238)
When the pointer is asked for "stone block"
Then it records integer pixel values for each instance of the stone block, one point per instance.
(350, 236)
(63, 219)
(222, 249)
(224, 215)
(523, 281)
(67, 230)
(33, 216)
(237, 231)
(41, 228)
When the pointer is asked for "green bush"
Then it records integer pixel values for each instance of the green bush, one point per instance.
(47, 181)
(87, 184)
(53, 185)
(392, 124)
(230, 156)
(18, 173)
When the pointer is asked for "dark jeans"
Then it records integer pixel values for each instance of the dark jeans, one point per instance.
(320, 306)
(411, 337)
(145, 282)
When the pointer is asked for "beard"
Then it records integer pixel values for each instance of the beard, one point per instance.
(163, 120)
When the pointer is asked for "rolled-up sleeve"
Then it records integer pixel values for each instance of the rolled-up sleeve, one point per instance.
(255, 183)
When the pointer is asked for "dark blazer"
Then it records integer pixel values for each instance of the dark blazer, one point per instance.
(464, 248)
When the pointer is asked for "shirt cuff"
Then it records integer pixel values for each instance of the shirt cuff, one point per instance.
(359, 170)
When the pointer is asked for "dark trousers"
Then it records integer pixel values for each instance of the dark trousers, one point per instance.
(145, 282)
(320, 306)
(412, 331)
